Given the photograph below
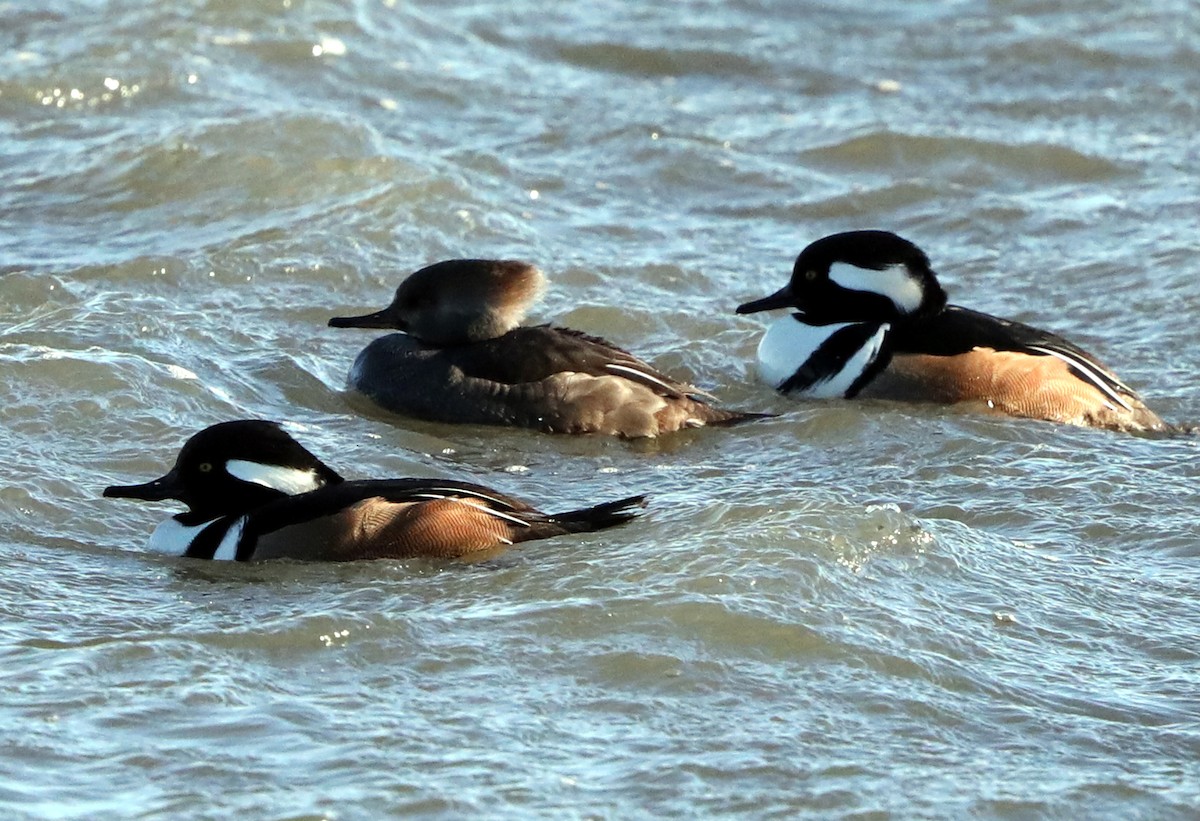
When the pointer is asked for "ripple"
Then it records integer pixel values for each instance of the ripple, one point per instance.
(628, 59)
(1027, 162)
(852, 608)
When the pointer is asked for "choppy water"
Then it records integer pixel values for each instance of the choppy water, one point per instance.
(852, 610)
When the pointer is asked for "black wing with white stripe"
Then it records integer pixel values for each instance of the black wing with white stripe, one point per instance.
(958, 330)
(327, 501)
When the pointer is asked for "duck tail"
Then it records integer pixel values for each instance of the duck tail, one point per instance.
(723, 416)
(598, 517)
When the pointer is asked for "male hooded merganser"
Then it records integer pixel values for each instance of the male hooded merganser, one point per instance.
(463, 358)
(255, 493)
(873, 322)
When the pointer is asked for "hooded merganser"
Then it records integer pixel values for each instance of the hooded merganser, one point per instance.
(873, 322)
(253, 492)
(463, 358)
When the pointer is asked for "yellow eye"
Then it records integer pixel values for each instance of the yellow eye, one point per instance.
(205, 467)
(810, 275)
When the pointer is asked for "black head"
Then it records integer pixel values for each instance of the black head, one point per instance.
(458, 301)
(233, 467)
(858, 276)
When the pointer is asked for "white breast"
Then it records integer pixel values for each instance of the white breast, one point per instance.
(174, 538)
(790, 343)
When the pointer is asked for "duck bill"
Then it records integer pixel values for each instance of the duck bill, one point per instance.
(157, 491)
(780, 299)
(379, 319)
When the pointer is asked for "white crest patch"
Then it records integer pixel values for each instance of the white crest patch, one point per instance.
(895, 282)
(287, 480)
(789, 343)
(173, 538)
(227, 549)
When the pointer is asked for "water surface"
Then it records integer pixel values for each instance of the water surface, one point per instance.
(855, 609)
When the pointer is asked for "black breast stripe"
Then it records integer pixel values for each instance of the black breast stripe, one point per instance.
(882, 359)
(832, 356)
(206, 542)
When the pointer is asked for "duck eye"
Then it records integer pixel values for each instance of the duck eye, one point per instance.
(205, 467)
(810, 275)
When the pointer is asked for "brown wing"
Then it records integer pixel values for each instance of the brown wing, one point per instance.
(448, 528)
(1018, 384)
(535, 353)
(544, 378)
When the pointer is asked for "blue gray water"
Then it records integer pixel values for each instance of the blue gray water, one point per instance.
(854, 610)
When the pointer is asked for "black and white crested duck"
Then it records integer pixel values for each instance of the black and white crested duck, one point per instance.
(869, 319)
(255, 493)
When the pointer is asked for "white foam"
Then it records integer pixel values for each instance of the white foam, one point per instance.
(895, 282)
(287, 480)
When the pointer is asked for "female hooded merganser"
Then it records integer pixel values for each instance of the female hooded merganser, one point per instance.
(253, 492)
(463, 358)
(873, 322)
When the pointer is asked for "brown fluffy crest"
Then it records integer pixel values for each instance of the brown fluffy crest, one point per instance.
(458, 301)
